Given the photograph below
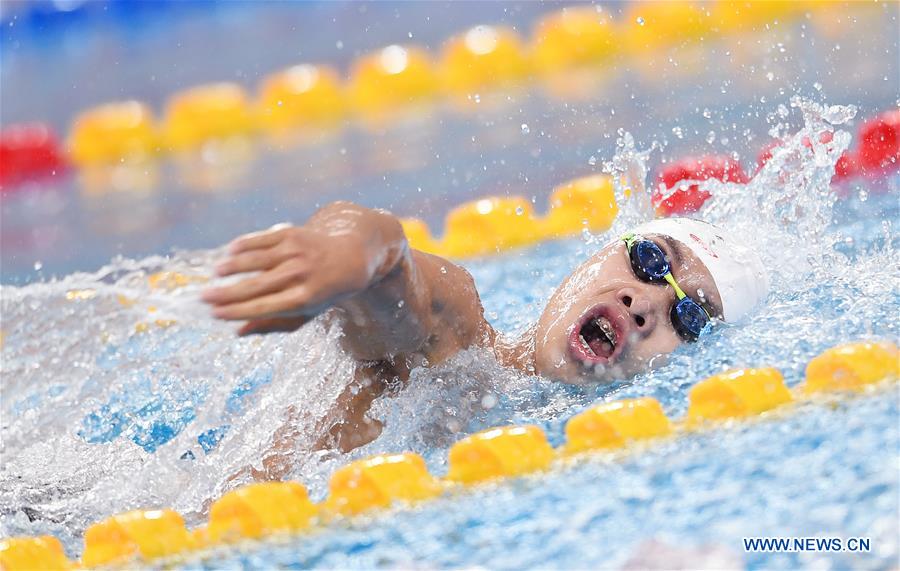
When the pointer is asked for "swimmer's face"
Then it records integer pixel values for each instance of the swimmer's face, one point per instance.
(604, 323)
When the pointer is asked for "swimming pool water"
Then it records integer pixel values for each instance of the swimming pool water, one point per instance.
(687, 502)
(105, 410)
(160, 418)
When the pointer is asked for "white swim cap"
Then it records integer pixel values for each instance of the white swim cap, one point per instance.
(736, 269)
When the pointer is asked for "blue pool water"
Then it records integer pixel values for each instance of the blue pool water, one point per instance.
(161, 418)
(98, 416)
(687, 502)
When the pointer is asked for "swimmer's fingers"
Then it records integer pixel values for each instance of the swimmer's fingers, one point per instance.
(291, 300)
(260, 285)
(251, 261)
(272, 325)
(257, 240)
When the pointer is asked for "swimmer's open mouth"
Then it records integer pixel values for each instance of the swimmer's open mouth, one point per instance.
(598, 337)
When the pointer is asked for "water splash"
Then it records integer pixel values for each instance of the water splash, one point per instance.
(99, 417)
(629, 168)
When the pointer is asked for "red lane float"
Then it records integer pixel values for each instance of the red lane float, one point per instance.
(877, 153)
(689, 198)
(879, 144)
(845, 168)
(28, 152)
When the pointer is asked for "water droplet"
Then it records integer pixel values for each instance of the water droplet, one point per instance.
(678, 132)
(640, 20)
(592, 161)
(519, 211)
(525, 129)
(488, 402)
(770, 76)
(38, 266)
(339, 45)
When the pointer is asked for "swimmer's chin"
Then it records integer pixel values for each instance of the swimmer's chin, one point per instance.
(576, 373)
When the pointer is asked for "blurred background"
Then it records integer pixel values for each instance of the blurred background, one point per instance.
(132, 128)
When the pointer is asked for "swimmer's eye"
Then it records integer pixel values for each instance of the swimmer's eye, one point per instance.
(650, 264)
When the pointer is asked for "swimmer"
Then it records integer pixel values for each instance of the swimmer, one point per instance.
(662, 284)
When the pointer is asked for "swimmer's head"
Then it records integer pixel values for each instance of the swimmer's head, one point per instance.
(605, 322)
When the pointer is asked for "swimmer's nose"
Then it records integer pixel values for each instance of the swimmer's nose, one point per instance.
(641, 307)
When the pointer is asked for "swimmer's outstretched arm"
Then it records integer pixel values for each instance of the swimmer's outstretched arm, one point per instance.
(395, 302)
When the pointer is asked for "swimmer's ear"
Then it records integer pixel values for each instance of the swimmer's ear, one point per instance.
(272, 325)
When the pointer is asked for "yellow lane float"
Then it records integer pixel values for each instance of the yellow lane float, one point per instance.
(169, 281)
(260, 509)
(28, 553)
(145, 326)
(392, 79)
(419, 236)
(615, 424)
(737, 393)
(114, 133)
(134, 535)
(852, 367)
(574, 37)
(303, 95)
(80, 294)
(483, 57)
(379, 481)
(495, 224)
(395, 77)
(728, 16)
(490, 225)
(215, 111)
(499, 452)
(648, 26)
(584, 203)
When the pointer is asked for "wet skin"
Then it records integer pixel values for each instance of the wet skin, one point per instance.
(401, 308)
(605, 286)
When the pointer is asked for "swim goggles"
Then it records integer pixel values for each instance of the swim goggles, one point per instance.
(650, 264)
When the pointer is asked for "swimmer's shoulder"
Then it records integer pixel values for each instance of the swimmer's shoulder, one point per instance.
(457, 315)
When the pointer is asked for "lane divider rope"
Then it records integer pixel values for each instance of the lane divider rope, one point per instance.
(258, 510)
(394, 80)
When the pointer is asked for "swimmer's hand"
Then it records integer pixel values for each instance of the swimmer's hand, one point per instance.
(303, 270)
(393, 301)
